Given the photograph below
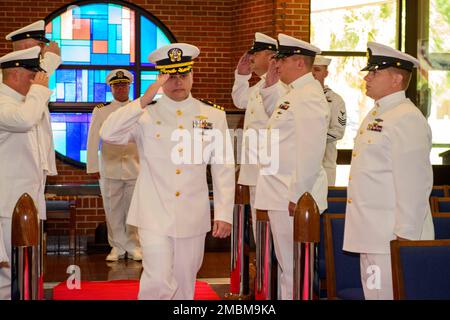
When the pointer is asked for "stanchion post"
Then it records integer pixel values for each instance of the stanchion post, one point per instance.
(25, 250)
(240, 246)
(306, 239)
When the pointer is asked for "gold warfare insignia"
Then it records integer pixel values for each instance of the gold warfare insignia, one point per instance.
(175, 54)
(201, 117)
(285, 105)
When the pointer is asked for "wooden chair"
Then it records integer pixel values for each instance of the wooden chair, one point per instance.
(63, 209)
(337, 192)
(440, 205)
(421, 269)
(342, 268)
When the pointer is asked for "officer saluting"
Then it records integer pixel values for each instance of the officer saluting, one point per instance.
(116, 170)
(338, 118)
(301, 119)
(34, 35)
(26, 149)
(391, 176)
(256, 111)
(170, 204)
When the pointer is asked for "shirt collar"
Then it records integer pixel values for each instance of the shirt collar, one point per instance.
(7, 90)
(303, 80)
(177, 104)
(390, 101)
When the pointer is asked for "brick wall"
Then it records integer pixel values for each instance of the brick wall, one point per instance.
(222, 29)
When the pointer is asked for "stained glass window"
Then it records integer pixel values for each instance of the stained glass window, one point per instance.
(96, 38)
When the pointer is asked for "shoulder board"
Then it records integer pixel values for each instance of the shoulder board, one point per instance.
(101, 105)
(212, 104)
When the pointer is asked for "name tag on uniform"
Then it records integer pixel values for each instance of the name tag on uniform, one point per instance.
(202, 124)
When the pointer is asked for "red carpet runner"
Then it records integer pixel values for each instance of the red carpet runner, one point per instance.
(119, 290)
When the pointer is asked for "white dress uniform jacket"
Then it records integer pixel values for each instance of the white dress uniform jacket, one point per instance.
(336, 130)
(119, 162)
(390, 178)
(249, 98)
(24, 160)
(172, 199)
(301, 119)
(50, 62)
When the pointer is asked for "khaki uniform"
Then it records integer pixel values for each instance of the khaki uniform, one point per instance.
(119, 167)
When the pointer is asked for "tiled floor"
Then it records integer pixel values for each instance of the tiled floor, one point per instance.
(93, 267)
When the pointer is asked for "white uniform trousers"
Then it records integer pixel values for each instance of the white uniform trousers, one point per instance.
(329, 162)
(376, 276)
(252, 191)
(282, 227)
(5, 268)
(170, 266)
(116, 202)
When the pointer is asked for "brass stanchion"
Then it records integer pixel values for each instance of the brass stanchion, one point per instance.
(266, 262)
(240, 246)
(25, 253)
(306, 238)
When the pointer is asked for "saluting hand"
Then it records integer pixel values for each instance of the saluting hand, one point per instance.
(273, 74)
(244, 65)
(152, 90)
(221, 229)
(40, 78)
(52, 47)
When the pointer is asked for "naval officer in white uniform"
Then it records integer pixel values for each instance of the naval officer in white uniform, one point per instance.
(301, 119)
(338, 118)
(391, 176)
(26, 146)
(117, 168)
(34, 35)
(170, 204)
(257, 114)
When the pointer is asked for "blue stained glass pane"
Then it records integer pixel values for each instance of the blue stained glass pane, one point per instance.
(148, 38)
(73, 137)
(71, 54)
(70, 92)
(84, 43)
(119, 45)
(100, 29)
(115, 14)
(64, 75)
(112, 37)
(161, 38)
(100, 92)
(59, 139)
(56, 26)
(83, 156)
(119, 32)
(119, 59)
(99, 58)
(79, 86)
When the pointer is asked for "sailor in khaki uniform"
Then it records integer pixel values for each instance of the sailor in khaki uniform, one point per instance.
(117, 168)
(170, 204)
(34, 35)
(26, 146)
(391, 175)
(338, 118)
(256, 60)
(301, 119)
